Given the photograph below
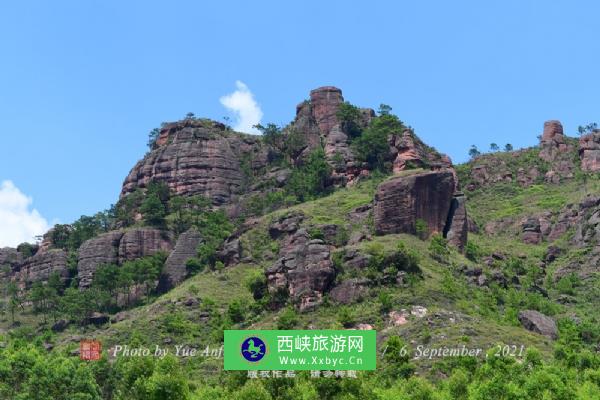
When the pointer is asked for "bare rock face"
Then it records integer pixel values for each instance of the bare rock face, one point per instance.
(117, 247)
(39, 267)
(537, 322)
(175, 267)
(197, 156)
(137, 243)
(589, 152)
(103, 249)
(401, 201)
(457, 226)
(325, 103)
(304, 269)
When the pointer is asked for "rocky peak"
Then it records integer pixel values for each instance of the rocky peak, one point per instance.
(325, 102)
(180, 130)
(199, 157)
(553, 132)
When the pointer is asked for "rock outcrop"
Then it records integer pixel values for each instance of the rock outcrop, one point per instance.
(457, 224)
(403, 200)
(317, 121)
(304, 268)
(175, 269)
(532, 233)
(589, 152)
(199, 157)
(409, 152)
(39, 267)
(103, 249)
(10, 260)
(117, 247)
(537, 322)
(557, 151)
(141, 242)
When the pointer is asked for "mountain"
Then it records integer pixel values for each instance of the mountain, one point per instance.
(343, 218)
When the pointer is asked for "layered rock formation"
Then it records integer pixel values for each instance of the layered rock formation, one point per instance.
(589, 152)
(175, 267)
(39, 267)
(199, 157)
(117, 247)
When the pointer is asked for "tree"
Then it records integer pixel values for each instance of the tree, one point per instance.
(152, 137)
(589, 128)
(311, 179)
(153, 210)
(494, 147)
(384, 109)
(27, 249)
(189, 115)
(350, 116)
(14, 301)
(508, 147)
(372, 145)
(271, 134)
(474, 152)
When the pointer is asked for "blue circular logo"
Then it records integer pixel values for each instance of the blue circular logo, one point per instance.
(253, 349)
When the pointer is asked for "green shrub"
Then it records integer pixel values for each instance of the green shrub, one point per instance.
(193, 266)
(438, 248)
(385, 302)
(472, 251)
(345, 317)
(236, 311)
(350, 117)
(287, 319)
(257, 285)
(421, 229)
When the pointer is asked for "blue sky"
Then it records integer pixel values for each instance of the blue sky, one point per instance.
(82, 82)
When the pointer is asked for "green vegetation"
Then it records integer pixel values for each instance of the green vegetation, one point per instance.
(372, 146)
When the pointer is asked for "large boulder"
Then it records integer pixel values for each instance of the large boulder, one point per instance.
(402, 200)
(175, 269)
(537, 322)
(349, 291)
(589, 151)
(40, 266)
(532, 233)
(304, 269)
(199, 157)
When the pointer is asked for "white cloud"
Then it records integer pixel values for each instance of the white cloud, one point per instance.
(245, 109)
(18, 222)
